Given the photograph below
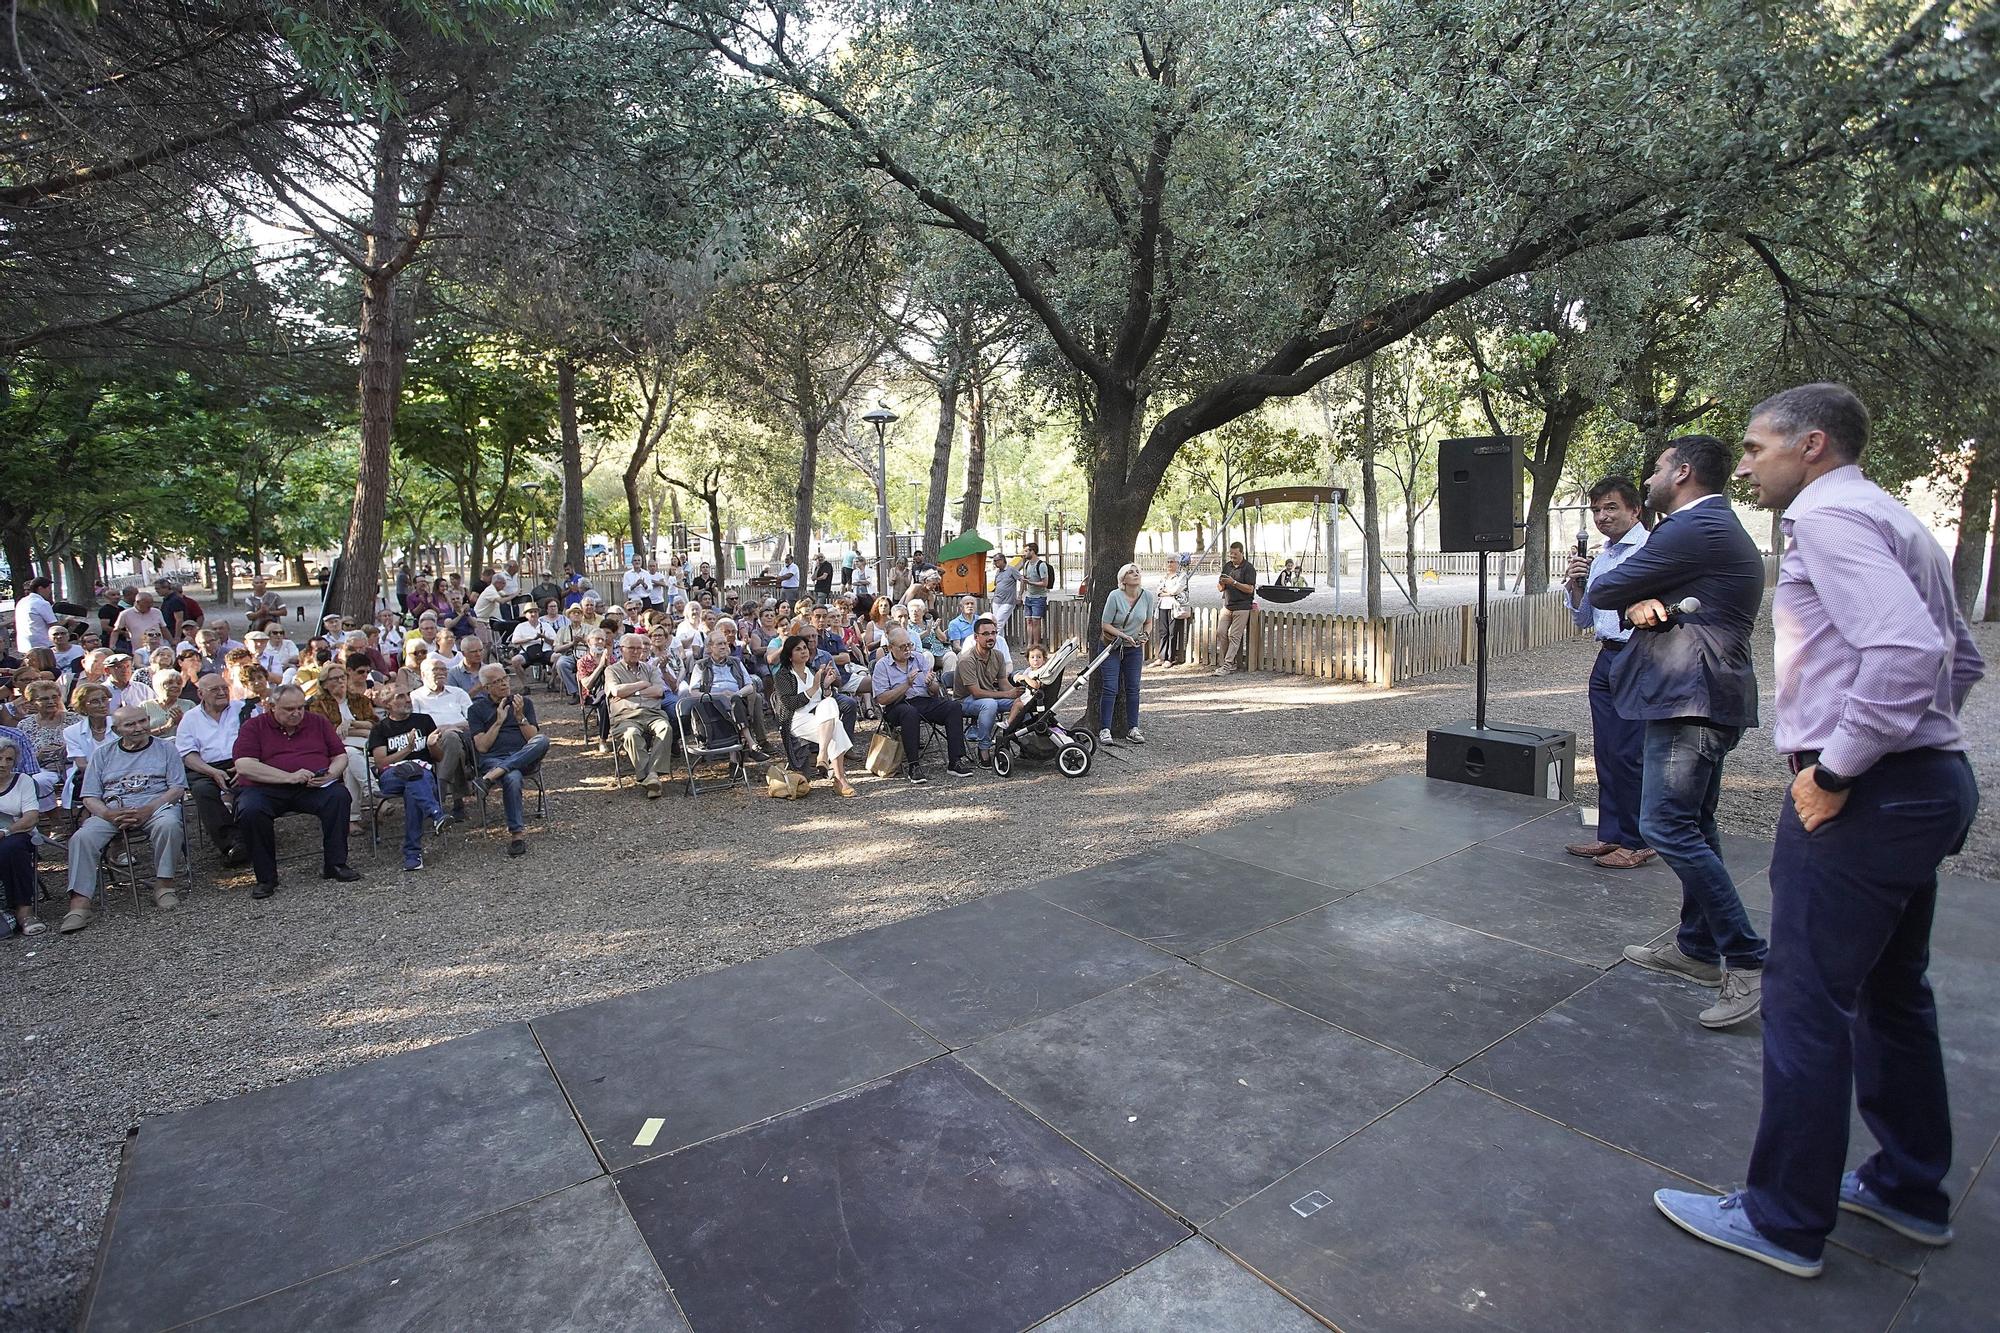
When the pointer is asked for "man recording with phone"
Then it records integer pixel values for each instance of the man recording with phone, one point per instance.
(1617, 742)
(1688, 676)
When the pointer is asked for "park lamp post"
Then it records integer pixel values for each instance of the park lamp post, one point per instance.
(531, 489)
(881, 418)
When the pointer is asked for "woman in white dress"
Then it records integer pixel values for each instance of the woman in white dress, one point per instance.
(812, 708)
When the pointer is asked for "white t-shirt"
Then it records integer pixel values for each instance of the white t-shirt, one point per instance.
(32, 617)
(790, 577)
(526, 633)
(490, 600)
(18, 799)
(638, 585)
(446, 707)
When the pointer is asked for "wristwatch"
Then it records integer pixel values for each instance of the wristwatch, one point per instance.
(1827, 780)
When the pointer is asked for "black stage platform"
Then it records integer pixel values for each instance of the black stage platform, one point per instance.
(1374, 1061)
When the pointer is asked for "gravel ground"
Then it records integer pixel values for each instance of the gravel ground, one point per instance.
(149, 1012)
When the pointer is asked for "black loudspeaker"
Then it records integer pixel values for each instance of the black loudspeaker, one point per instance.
(1535, 761)
(1479, 494)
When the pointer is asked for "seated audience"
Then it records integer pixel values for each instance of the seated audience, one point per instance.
(533, 640)
(811, 710)
(404, 747)
(352, 714)
(206, 740)
(983, 687)
(909, 694)
(450, 710)
(508, 744)
(290, 760)
(635, 694)
(134, 782)
(717, 696)
(20, 811)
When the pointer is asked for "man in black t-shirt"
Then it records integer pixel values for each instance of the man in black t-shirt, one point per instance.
(1239, 598)
(403, 750)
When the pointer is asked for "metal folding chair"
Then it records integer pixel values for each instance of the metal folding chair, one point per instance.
(131, 850)
(697, 750)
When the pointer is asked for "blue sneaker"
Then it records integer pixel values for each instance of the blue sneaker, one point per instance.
(1856, 1197)
(413, 863)
(1721, 1221)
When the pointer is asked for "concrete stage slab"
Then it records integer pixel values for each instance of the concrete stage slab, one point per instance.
(1373, 1062)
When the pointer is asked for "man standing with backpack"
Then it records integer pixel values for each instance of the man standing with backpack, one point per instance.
(1034, 591)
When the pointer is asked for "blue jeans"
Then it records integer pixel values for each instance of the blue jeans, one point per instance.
(1848, 1013)
(982, 714)
(1683, 778)
(511, 767)
(1618, 745)
(1121, 670)
(420, 803)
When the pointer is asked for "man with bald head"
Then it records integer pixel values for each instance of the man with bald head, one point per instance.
(291, 761)
(135, 783)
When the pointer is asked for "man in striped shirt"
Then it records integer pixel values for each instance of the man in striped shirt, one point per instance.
(1874, 662)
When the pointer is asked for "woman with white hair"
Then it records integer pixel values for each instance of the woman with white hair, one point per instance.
(20, 807)
(1175, 610)
(1127, 624)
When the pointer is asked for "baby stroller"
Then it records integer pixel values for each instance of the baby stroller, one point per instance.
(1037, 735)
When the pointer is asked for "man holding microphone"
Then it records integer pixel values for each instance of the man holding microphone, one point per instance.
(1617, 743)
(1874, 663)
(1690, 678)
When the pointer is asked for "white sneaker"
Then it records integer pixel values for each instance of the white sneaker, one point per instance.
(1104, 736)
(1136, 736)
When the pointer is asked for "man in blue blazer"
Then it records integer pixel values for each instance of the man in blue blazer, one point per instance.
(1689, 676)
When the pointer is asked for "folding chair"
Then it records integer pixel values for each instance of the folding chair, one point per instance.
(696, 750)
(531, 779)
(131, 850)
(379, 805)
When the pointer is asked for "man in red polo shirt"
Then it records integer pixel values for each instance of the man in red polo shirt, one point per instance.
(290, 761)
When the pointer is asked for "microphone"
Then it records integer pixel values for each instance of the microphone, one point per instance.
(1686, 606)
(1582, 542)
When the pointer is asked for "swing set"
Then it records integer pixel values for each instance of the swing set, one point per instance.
(1322, 562)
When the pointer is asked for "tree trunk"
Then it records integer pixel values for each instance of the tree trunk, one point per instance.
(224, 585)
(1551, 455)
(802, 504)
(361, 568)
(20, 560)
(712, 500)
(635, 513)
(1975, 522)
(1992, 611)
(1410, 518)
(572, 466)
(947, 433)
(297, 565)
(1371, 497)
(975, 452)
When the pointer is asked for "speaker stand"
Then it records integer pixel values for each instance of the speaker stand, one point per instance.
(1534, 761)
(1479, 626)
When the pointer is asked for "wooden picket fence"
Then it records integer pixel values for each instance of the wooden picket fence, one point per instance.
(1355, 649)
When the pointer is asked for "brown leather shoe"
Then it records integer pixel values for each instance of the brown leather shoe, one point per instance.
(1625, 858)
(1592, 850)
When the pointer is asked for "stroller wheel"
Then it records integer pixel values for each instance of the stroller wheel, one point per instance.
(1003, 760)
(1085, 737)
(1073, 760)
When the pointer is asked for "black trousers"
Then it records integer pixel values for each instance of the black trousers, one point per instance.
(908, 716)
(258, 808)
(214, 815)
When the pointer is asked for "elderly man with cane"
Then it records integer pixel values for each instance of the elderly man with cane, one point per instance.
(1874, 663)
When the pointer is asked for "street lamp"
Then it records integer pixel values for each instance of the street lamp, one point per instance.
(881, 418)
(531, 489)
